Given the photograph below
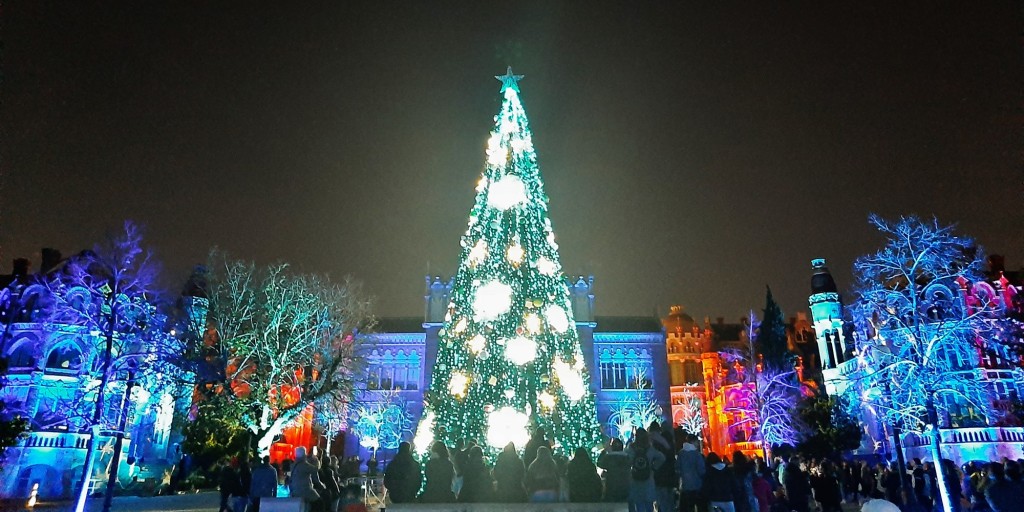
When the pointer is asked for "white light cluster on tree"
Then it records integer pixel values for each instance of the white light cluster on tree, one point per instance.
(557, 318)
(477, 343)
(546, 266)
(478, 253)
(508, 192)
(515, 254)
(532, 322)
(507, 425)
(546, 400)
(457, 386)
(491, 301)
(496, 155)
(424, 434)
(522, 145)
(520, 350)
(570, 379)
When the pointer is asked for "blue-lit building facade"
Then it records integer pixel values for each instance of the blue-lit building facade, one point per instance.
(53, 371)
(984, 430)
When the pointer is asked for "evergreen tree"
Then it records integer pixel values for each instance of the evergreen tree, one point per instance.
(829, 428)
(778, 385)
(771, 336)
(509, 355)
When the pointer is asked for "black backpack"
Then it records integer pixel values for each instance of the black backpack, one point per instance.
(641, 467)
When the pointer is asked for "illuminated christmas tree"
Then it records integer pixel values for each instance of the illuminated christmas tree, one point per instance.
(509, 357)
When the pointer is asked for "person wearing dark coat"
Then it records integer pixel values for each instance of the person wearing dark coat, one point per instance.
(584, 482)
(1001, 494)
(244, 483)
(439, 475)
(264, 483)
(826, 488)
(477, 486)
(719, 485)
(402, 476)
(798, 490)
(691, 469)
(542, 480)
(665, 477)
(538, 439)
(616, 465)
(332, 491)
(509, 472)
(229, 484)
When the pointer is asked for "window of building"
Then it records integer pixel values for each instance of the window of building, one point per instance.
(22, 357)
(64, 359)
(393, 370)
(625, 369)
(692, 372)
(676, 369)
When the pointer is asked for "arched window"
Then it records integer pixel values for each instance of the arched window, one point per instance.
(23, 357)
(64, 359)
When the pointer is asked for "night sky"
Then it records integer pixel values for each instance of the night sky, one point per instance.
(691, 154)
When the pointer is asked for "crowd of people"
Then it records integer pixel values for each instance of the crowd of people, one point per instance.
(659, 469)
(665, 470)
(325, 486)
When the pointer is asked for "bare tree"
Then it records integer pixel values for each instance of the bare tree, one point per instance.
(920, 352)
(283, 341)
(109, 299)
(692, 418)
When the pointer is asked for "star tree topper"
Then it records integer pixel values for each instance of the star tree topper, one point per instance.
(509, 81)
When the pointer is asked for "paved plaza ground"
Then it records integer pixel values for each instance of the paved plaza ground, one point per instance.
(200, 502)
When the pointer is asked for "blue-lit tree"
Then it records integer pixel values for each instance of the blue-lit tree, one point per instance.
(778, 385)
(12, 425)
(109, 297)
(280, 342)
(635, 408)
(381, 424)
(920, 348)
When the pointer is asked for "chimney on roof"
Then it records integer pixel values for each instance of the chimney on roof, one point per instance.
(51, 258)
(720, 320)
(996, 263)
(21, 267)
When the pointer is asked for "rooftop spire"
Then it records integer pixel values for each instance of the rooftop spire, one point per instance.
(509, 81)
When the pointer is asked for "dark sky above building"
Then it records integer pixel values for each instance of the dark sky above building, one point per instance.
(692, 153)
